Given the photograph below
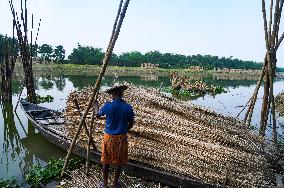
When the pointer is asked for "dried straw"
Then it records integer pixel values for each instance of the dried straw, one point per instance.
(79, 179)
(279, 101)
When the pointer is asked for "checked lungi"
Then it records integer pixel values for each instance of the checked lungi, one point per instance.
(114, 149)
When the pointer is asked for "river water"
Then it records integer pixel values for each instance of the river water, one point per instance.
(21, 146)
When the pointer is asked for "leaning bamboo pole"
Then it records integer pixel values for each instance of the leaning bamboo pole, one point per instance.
(84, 125)
(253, 99)
(90, 136)
(116, 28)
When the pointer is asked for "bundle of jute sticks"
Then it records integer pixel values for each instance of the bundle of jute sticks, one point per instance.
(183, 138)
(78, 179)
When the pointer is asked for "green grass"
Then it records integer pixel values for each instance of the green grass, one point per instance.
(42, 175)
(12, 183)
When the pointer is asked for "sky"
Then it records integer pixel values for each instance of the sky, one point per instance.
(221, 27)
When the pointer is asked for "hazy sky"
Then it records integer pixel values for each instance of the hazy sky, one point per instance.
(216, 27)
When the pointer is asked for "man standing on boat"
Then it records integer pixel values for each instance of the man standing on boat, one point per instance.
(119, 120)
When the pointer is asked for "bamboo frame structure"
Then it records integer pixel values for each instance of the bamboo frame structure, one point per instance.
(115, 32)
(272, 43)
(26, 48)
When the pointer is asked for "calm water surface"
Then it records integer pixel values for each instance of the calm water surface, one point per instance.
(21, 146)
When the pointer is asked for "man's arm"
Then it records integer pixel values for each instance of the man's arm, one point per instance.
(101, 113)
(130, 125)
(131, 120)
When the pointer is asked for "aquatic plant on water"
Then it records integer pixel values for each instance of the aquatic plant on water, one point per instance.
(12, 183)
(218, 90)
(182, 93)
(42, 175)
(184, 82)
(42, 99)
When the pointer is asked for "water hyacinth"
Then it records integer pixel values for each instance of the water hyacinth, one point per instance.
(182, 82)
(183, 138)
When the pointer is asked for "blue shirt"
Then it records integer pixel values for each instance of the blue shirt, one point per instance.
(118, 115)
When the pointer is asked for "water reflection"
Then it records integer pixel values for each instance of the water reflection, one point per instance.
(16, 86)
(48, 82)
(11, 146)
(60, 82)
(149, 77)
(22, 146)
(34, 144)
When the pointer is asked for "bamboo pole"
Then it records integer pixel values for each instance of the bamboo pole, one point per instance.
(99, 79)
(275, 24)
(271, 71)
(115, 23)
(264, 105)
(84, 124)
(19, 98)
(265, 24)
(95, 111)
(279, 18)
(270, 18)
(279, 42)
(253, 98)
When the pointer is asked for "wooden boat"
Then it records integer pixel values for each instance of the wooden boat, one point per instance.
(50, 124)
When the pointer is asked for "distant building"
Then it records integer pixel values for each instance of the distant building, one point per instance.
(149, 65)
(248, 71)
(195, 68)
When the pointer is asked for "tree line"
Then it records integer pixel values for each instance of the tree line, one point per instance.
(93, 56)
(90, 55)
(43, 52)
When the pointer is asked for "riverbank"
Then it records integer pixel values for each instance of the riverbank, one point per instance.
(74, 69)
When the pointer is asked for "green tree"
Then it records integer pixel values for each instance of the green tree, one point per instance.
(59, 54)
(86, 55)
(46, 52)
(154, 57)
(8, 44)
(131, 59)
(91, 55)
(34, 49)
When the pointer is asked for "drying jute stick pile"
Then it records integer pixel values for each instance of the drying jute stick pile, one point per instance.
(182, 138)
